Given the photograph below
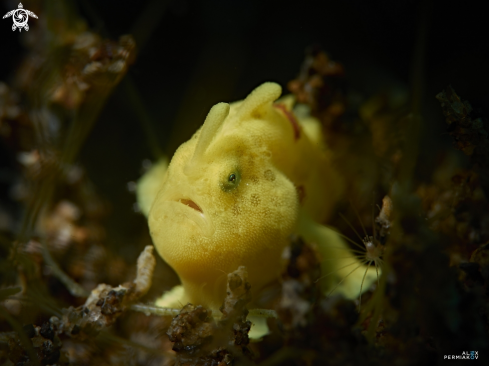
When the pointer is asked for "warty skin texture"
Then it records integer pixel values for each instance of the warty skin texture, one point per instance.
(233, 194)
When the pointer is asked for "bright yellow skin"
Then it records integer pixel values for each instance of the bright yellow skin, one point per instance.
(234, 193)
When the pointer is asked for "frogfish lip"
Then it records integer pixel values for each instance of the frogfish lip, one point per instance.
(182, 214)
(191, 204)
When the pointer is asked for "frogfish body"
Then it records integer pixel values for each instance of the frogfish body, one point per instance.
(232, 195)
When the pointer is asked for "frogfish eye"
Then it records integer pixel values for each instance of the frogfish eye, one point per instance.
(231, 181)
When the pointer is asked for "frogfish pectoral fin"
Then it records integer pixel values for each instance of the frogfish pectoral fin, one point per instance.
(149, 185)
(343, 272)
(175, 298)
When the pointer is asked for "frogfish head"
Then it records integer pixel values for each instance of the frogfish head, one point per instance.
(223, 202)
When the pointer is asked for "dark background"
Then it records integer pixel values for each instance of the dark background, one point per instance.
(197, 53)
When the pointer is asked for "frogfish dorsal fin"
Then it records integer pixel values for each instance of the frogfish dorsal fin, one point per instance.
(259, 100)
(213, 122)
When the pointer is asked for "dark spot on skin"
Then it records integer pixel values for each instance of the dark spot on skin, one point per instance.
(239, 151)
(256, 115)
(269, 175)
(275, 201)
(250, 160)
(301, 193)
(236, 210)
(265, 212)
(255, 200)
(254, 179)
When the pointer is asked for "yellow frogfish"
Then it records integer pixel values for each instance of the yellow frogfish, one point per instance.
(249, 178)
